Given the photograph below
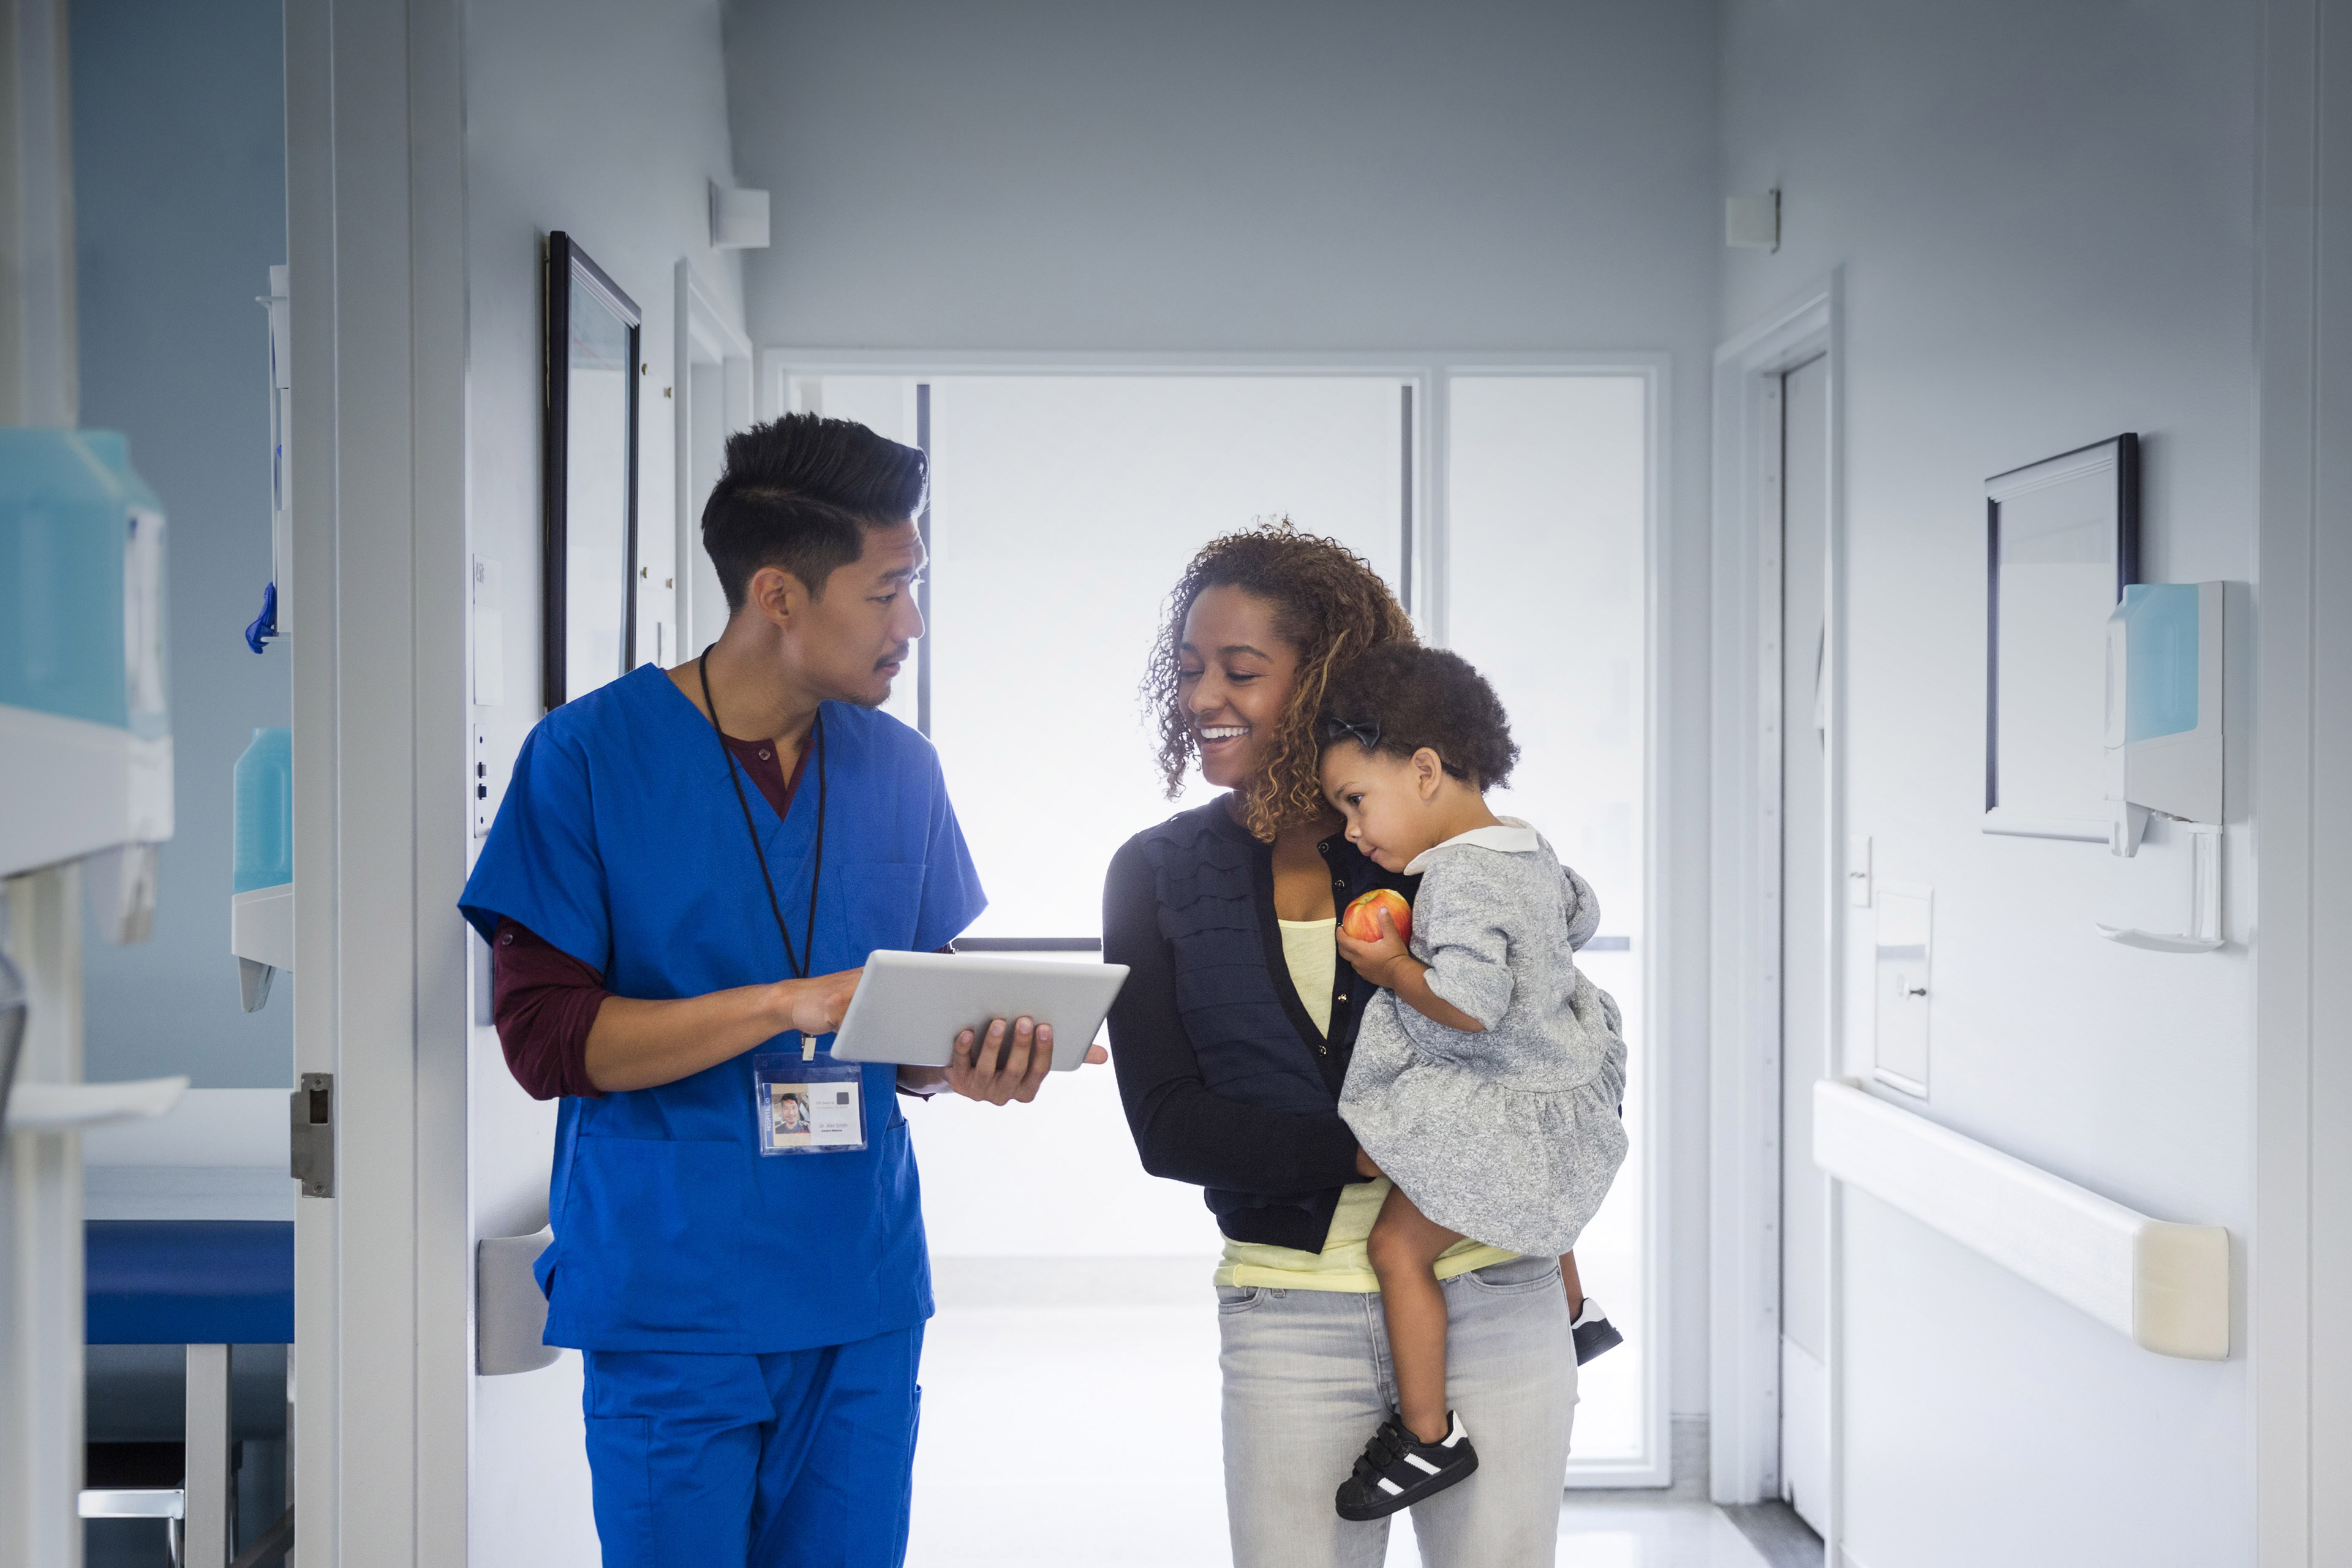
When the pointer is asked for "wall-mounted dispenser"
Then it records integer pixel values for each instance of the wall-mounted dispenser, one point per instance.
(261, 906)
(2164, 707)
(273, 608)
(84, 719)
(2164, 740)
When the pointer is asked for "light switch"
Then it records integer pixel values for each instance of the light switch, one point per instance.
(478, 784)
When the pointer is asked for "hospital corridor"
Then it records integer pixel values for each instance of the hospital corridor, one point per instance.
(1080, 784)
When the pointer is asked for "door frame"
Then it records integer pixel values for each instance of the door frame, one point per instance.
(2299, 1257)
(377, 464)
(1430, 375)
(703, 335)
(1744, 917)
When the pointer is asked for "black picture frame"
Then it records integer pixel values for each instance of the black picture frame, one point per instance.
(2121, 455)
(572, 280)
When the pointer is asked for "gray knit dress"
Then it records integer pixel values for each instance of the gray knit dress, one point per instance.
(1510, 1136)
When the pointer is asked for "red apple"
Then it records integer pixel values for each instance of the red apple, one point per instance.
(1361, 923)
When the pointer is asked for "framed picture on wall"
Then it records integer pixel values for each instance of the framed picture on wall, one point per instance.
(588, 482)
(2062, 540)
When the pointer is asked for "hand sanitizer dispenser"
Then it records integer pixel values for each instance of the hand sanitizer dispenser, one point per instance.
(84, 721)
(261, 905)
(2164, 740)
(2164, 707)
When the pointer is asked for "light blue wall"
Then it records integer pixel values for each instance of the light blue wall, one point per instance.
(179, 208)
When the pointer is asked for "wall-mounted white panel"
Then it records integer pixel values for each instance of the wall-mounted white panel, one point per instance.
(1906, 943)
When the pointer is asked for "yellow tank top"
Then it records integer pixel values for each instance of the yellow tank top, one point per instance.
(1310, 950)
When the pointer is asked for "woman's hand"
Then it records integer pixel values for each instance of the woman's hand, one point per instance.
(815, 1006)
(1008, 1064)
(1382, 961)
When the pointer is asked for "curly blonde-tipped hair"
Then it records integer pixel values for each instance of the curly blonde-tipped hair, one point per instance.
(1329, 604)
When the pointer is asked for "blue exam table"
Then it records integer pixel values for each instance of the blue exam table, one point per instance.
(207, 1285)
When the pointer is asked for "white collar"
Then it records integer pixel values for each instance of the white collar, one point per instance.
(1509, 835)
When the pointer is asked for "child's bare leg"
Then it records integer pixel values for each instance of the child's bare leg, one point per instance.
(1404, 1246)
(1575, 1286)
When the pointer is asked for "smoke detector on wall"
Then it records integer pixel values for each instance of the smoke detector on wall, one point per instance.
(739, 218)
(1752, 222)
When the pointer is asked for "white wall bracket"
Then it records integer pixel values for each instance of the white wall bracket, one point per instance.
(509, 1309)
(2204, 933)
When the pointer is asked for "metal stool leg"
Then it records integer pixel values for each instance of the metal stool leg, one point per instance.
(205, 1543)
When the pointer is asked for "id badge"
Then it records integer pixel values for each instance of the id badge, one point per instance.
(809, 1106)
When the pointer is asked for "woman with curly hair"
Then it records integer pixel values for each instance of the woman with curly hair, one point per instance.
(1232, 1040)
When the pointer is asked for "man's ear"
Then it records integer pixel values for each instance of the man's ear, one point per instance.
(776, 595)
(1428, 772)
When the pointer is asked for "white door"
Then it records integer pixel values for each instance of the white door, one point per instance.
(1804, 935)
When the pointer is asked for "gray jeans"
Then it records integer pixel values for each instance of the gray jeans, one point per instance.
(1308, 1381)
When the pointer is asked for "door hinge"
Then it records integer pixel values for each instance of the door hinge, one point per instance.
(313, 1141)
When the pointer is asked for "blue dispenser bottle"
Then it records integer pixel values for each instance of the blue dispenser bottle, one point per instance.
(261, 903)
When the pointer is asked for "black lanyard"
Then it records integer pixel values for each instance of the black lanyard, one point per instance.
(793, 960)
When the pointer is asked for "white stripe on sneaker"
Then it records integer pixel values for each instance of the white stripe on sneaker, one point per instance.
(1417, 1463)
(1390, 1487)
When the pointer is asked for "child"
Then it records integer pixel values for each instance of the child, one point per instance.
(1488, 1075)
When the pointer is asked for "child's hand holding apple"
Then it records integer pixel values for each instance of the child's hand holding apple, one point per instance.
(1372, 935)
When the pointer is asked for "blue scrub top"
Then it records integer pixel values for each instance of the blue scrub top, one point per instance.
(621, 841)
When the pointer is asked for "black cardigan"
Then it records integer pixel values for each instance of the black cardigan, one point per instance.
(1226, 1082)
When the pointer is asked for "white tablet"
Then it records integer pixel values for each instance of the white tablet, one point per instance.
(910, 1006)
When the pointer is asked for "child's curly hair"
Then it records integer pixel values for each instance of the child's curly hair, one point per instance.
(1329, 604)
(1400, 699)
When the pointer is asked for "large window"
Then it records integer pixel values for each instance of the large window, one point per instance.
(1063, 510)
(1546, 593)
(1511, 511)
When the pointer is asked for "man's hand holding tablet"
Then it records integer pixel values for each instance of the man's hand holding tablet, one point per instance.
(1009, 1021)
(1005, 1063)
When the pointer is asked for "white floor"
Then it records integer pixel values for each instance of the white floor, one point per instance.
(1056, 1435)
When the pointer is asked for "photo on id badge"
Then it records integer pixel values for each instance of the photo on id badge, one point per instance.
(809, 1107)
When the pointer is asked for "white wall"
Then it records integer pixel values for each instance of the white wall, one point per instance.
(605, 120)
(1225, 176)
(2045, 221)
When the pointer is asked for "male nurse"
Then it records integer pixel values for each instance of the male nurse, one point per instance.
(687, 868)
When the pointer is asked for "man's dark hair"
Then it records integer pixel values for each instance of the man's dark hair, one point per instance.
(800, 493)
(1399, 697)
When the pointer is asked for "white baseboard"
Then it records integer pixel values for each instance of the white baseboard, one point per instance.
(1804, 1434)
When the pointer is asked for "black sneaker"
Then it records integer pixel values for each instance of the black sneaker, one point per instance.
(1593, 1333)
(1398, 1470)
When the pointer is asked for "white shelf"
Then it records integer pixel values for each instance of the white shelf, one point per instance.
(70, 1107)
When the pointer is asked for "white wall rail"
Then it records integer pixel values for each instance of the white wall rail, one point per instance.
(2166, 1286)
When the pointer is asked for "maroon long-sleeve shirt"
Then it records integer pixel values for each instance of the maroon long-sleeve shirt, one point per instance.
(544, 1000)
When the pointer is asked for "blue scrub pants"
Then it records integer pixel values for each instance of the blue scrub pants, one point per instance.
(803, 1459)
